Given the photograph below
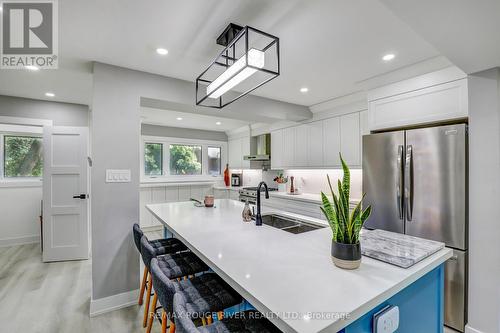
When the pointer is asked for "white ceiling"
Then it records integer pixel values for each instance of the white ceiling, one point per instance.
(326, 45)
(466, 32)
(189, 120)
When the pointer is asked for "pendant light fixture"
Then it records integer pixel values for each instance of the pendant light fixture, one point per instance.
(250, 58)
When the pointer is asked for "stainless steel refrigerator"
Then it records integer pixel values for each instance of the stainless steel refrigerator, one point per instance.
(416, 181)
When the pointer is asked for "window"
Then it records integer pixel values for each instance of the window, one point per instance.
(185, 160)
(22, 156)
(153, 159)
(181, 159)
(214, 161)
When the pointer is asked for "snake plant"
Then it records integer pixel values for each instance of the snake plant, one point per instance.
(345, 225)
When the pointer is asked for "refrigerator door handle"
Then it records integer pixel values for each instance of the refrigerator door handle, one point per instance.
(399, 181)
(409, 183)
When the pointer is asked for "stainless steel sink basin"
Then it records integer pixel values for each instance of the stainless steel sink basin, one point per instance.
(289, 224)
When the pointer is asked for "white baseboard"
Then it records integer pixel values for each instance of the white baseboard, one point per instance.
(469, 329)
(112, 303)
(19, 240)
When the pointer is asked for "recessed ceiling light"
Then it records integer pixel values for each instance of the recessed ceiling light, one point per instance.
(218, 123)
(49, 94)
(304, 90)
(388, 57)
(161, 51)
(31, 68)
(179, 118)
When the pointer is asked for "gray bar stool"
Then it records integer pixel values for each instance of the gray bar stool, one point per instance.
(174, 265)
(207, 293)
(247, 321)
(162, 246)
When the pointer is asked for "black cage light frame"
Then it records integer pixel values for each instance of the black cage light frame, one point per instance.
(228, 54)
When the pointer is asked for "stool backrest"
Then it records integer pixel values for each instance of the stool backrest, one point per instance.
(137, 236)
(148, 252)
(183, 323)
(164, 287)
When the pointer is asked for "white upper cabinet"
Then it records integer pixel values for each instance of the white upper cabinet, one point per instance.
(277, 149)
(245, 150)
(288, 147)
(318, 144)
(235, 157)
(300, 151)
(331, 142)
(430, 98)
(350, 136)
(315, 144)
(237, 149)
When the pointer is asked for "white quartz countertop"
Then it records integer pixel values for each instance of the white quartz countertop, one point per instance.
(228, 188)
(160, 183)
(306, 197)
(290, 275)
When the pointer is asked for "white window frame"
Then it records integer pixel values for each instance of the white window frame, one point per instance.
(167, 141)
(17, 130)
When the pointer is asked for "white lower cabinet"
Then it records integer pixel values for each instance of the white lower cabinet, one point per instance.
(164, 193)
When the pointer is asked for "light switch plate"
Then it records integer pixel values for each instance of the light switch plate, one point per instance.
(386, 320)
(118, 176)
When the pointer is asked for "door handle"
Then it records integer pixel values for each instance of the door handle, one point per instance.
(80, 196)
(409, 183)
(399, 182)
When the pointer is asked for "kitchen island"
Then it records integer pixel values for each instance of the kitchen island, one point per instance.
(291, 277)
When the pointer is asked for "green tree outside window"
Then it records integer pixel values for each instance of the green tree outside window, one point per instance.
(22, 156)
(185, 160)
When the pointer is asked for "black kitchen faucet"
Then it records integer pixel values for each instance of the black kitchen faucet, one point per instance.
(258, 217)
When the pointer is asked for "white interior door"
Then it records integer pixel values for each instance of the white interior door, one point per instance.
(65, 215)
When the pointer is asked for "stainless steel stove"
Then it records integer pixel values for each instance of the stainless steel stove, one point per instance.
(250, 194)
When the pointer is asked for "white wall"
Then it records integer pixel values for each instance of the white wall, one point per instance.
(20, 208)
(484, 198)
(118, 94)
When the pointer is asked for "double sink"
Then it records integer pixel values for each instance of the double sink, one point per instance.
(289, 224)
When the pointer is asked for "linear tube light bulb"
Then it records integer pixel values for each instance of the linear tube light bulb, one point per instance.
(219, 86)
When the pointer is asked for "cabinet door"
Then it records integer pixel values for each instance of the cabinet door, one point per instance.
(331, 142)
(364, 130)
(245, 150)
(288, 147)
(277, 149)
(315, 144)
(300, 147)
(350, 139)
(234, 152)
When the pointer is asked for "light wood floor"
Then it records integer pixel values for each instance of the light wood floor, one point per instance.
(38, 297)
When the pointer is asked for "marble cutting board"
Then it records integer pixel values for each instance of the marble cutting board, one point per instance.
(397, 249)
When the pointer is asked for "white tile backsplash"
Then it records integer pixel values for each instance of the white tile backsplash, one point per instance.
(314, 180)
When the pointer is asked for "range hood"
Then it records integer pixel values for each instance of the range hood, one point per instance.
(260, 148)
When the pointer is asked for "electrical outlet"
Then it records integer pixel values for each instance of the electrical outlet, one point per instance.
(387, 320)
